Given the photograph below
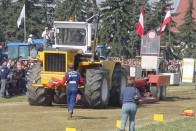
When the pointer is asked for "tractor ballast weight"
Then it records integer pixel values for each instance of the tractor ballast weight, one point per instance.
(103, 80)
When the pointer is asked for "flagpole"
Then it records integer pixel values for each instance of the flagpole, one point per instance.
(169, 35)
(25, 38)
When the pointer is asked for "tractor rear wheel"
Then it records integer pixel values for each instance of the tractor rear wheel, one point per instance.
(37, 95)
(97, 88)
(118, 83)
(60, 97)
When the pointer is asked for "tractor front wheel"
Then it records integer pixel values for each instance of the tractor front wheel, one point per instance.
(38, 96)
(97, 88)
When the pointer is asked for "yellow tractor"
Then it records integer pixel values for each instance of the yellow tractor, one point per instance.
(74, 43)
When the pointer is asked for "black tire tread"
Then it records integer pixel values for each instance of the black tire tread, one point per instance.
(118, 74)
(37, 95)
(93, 86)
(59, 97)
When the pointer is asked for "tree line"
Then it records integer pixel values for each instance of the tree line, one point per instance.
(118, 20)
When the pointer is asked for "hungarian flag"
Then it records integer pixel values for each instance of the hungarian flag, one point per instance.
(166, 20)
(140, 24)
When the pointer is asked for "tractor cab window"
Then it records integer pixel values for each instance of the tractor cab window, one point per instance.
(24, 52)
(13, 53)
(71, 36)
(101, 49)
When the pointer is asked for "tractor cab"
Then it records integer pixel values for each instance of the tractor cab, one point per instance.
(75, 35)
(24, 49)
(16, 49)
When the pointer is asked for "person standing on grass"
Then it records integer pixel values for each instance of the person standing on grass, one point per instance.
(129, 107)
(73, 79)
(4, 76)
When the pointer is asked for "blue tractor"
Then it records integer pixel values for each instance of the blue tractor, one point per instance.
(103, 51)
(24, 49)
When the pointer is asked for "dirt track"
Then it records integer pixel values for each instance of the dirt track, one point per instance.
(19, 116)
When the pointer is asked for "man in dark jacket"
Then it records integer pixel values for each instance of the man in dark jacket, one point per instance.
(4, 76)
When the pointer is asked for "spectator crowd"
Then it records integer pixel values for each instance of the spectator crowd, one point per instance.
(13, 73)
(172, 66)
(13, 76)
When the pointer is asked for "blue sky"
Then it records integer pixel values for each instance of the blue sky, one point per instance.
(176, 2)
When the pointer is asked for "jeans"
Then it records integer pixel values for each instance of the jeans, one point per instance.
(128, 110)
(4, 88)
(71, 98)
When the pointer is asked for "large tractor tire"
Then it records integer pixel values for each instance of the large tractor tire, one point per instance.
(39, 96)
(118, 83)
(97, 88)
(34, 74)
(60, 97)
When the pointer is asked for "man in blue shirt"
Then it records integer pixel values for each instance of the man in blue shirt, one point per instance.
(73, 79)
(4, 76)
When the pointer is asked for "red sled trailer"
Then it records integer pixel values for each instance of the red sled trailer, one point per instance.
(153, 88)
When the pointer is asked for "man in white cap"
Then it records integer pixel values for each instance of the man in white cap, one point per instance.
(30, 39)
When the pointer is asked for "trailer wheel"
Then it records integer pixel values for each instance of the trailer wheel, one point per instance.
(37, 95)
(97, 88)
(118, 83)
(59, 97)
(159, 92)
(163, 92)
(155, 91)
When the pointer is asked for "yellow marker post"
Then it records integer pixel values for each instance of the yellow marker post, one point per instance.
(158, 117)
(118, 123)
(188, 111)
(70, 129)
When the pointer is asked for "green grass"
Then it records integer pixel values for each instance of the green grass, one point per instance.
(18, 98)
(182, 124)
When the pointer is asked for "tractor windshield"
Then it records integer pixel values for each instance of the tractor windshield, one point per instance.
(71, 36)
(18, 50)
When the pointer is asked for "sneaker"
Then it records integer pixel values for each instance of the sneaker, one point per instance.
(69, 115)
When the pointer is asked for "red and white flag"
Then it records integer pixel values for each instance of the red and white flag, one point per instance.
(140, 24)
(166, 20)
